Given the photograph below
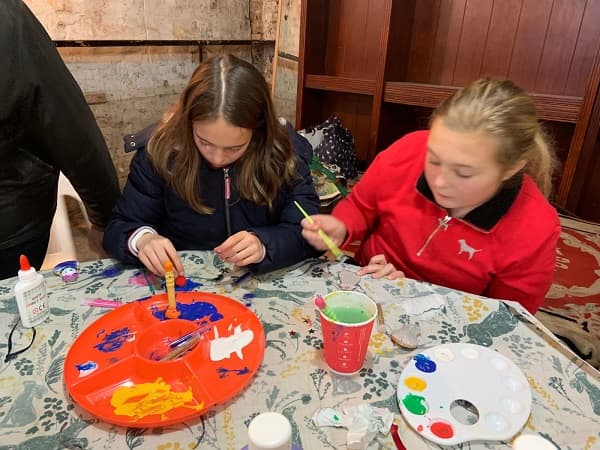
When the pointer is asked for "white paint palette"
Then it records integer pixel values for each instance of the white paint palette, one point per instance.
(455, 393)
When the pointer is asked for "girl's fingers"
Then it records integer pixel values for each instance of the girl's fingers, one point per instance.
(395, 275)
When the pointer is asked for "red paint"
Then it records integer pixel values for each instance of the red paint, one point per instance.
(442, 429)
(180, 281)
(420, 428)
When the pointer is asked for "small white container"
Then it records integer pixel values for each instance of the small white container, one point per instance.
(270, 431)
(30, 292)
(532, 442)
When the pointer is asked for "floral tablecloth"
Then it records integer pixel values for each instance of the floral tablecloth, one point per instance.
(36, 412)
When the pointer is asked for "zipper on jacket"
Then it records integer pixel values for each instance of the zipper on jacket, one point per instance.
(442, 223)
(227, 180)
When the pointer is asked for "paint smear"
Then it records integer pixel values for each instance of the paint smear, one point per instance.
(415, 383)
(86, 368)
(188, 286)
(146, 399)
(415, 404)
(224, 371)
(442, 429)
(223, 347)
(424, 364)
(114, 340)
(192, 311)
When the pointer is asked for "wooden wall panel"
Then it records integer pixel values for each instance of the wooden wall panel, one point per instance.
(529, 42)
(472, 41)
(144, 20)
(587, 46)
(501, 38)
(447, 41)
(589, 203)
(559, 46)
(398, 50)
(353, 38)
(425, 23)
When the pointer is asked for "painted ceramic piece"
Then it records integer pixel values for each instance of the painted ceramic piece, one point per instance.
(455, 393)
(118, 368)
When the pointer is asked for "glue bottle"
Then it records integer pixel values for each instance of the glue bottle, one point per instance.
(270, 431)
(30, 292)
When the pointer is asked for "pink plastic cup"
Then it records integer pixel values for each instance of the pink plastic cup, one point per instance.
(346, 343)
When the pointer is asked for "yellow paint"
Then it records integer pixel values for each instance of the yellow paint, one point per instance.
(146, 399)
(228, 428)
(300, 316)
(589, 442)
(381, 344)
(474, 308)
(542, 392)
(290, 369)
(415, 383)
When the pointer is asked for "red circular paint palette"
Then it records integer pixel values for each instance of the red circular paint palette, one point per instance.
(133, 367)
(455, 393)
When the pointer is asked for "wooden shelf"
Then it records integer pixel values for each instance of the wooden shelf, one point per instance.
(557, 108)
(340, 84)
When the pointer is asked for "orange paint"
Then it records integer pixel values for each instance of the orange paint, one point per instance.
(145, 399)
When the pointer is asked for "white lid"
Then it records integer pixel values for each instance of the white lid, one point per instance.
(27, 275)
(270, 431)
(532, 442)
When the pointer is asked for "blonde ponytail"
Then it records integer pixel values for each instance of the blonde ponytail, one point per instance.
(503, 110)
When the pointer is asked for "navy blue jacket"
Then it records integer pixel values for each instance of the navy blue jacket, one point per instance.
(147, 200)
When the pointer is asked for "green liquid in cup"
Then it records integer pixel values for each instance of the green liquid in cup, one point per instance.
(350, 315)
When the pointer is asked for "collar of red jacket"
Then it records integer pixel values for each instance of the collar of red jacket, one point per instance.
(487, 215)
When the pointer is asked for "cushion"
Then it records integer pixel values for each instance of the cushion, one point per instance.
(572, 306)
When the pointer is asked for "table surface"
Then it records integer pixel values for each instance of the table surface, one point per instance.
(37, 412)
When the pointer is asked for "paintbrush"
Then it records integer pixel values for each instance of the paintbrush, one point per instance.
(328, 242)
(171, 311)
(180, 350)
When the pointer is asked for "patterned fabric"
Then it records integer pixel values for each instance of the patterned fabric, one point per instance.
(334, 145)
(37, 412)
(572, 306)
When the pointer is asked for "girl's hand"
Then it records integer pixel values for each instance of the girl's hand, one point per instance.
(241, 249)
(332, 227)
(378, 267)
(154, 250)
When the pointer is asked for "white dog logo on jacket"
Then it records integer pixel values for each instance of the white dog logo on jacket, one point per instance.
(466, 248)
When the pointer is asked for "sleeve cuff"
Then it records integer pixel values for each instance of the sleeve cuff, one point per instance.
(135, 236)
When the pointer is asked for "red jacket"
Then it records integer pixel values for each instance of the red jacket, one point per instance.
(503, 249)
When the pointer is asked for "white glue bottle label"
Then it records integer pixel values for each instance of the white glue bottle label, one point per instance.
(30, 292)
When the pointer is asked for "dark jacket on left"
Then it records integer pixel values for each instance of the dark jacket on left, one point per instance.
(46, 126)
(148, 201)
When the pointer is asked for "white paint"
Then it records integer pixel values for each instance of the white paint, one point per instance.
(223, 347)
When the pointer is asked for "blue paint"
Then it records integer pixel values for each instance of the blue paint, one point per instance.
(113, 340)
(224, 372)
(188, 286)
(424, 364)
(248, 296)
(111, 271)
(88, 365)
(192, 312)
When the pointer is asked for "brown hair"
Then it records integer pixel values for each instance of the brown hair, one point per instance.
(229, 88)
(503, 110)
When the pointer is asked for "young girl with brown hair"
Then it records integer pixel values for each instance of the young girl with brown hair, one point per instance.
(220, 172)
